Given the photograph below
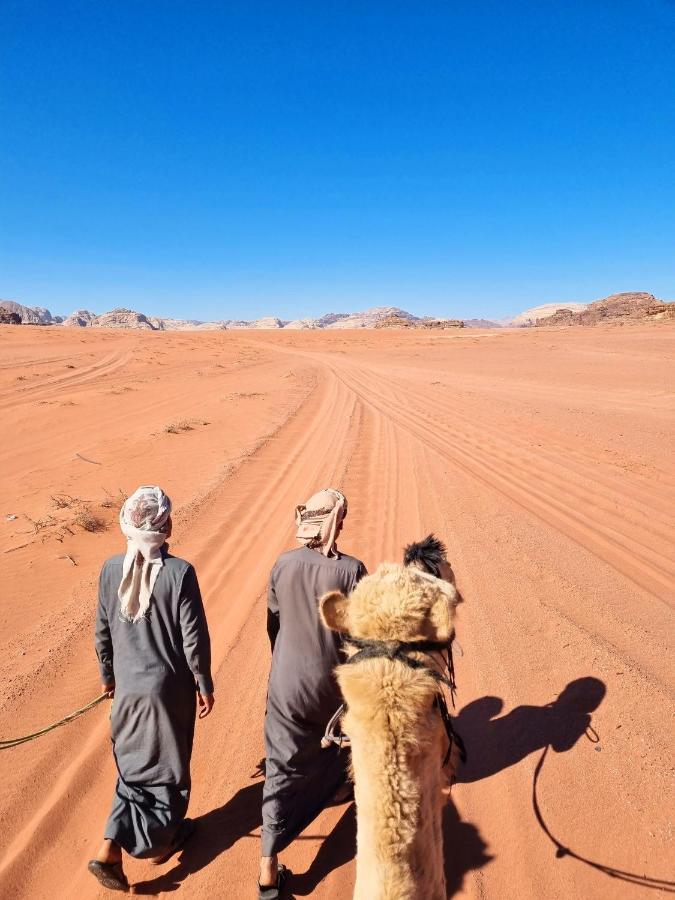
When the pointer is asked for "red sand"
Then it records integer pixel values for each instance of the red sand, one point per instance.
(544, 458)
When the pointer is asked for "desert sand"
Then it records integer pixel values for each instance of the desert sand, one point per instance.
(544, 459)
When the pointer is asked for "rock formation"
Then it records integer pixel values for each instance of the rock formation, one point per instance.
(30, 315)
(123, 318)
(626, 306)
(81, 318)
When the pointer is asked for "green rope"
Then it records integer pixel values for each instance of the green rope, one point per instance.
(14, 742)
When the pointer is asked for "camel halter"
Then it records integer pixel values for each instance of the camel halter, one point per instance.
(399, 650)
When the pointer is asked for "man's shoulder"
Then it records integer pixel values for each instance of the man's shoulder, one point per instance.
(177, 566)
(351, 562)
(288, 556)
(113, 562)
(172, 563)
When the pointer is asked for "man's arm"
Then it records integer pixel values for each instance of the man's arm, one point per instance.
(273, 623)
(196, 640)
(103, 642)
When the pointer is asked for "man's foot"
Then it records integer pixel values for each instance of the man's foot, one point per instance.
(110, 875)
(344, 794)
(269, 871)
(273, 890)
(185, 831)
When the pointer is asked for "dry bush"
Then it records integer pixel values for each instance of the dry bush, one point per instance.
(114, 501)
(89, 521)
(41, 524)
(177, 427)
(64, 501)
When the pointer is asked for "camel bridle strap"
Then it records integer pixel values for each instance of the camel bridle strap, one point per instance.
(399, 651)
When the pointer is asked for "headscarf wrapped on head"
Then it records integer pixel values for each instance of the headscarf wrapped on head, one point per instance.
(143, 520)
(319, 520)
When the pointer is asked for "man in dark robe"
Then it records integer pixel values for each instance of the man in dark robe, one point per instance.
(154, 653)
(301, 777)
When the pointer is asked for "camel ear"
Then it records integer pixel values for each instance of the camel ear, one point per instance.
(333, 607)
(442, 612)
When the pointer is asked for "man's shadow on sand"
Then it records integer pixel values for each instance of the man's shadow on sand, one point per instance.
(240, 817)
(493, 744)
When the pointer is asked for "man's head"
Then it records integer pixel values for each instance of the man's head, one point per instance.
(429, 555)
(147, 509)
(320, 519)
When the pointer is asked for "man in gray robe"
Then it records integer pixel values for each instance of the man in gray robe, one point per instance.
(301, 777)
(154, 653)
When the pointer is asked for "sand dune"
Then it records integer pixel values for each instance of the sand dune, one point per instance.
(543, 458)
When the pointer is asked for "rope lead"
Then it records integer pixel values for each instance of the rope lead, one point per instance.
(14, 742)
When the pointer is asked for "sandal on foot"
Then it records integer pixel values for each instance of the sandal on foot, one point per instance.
(110, 875)
(273, 891)
(185, 831)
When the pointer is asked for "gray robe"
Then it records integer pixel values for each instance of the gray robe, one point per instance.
(300, 776)
(156, 664)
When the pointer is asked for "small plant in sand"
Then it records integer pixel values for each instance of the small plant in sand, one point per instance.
(178, 427)
(65, 501)
(114, 501)
(40, 524)
(89, 521)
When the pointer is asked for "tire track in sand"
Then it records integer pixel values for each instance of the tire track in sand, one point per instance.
(237, 535)
(599, 531)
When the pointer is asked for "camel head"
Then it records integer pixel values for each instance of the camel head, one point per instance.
(395, 603)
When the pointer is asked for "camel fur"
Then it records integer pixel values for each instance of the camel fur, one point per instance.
(397, 737)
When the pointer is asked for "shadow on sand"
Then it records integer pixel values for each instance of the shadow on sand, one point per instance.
(494, 743)
(216, 832)
(240, 817)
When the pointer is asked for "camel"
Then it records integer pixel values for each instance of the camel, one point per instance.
(395, 725)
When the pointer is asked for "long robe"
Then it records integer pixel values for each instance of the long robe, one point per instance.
(157, 664)
(300, 776)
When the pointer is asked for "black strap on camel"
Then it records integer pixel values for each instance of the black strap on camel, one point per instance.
(400, 650)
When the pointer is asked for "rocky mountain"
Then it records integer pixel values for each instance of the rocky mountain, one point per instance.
(301, 324)
(482, 323)
(398, 321)
(30, 315)
(366, 319)
(81, 318)
(123, 318)
(631, 305)
(530, 316)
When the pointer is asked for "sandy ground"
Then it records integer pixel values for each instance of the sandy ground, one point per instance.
(544, 458)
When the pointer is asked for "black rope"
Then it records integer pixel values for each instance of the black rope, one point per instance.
(562, 851)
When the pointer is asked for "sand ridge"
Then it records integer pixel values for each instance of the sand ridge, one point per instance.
(540, 456)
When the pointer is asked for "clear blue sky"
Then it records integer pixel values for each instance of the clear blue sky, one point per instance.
(239, 159)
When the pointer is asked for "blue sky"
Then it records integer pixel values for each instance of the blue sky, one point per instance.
(233, 160)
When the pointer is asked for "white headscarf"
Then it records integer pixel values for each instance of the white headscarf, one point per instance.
(319, 520)
(143, 519)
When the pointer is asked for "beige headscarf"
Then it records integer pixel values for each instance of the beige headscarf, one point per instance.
(143, 520)
(319, 519)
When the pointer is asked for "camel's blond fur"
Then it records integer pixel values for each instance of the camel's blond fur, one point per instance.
(397, 738)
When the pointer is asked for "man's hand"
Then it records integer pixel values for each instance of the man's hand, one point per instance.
(108, 689)
(206, 702)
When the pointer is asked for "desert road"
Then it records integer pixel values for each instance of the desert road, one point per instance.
(544, 458)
